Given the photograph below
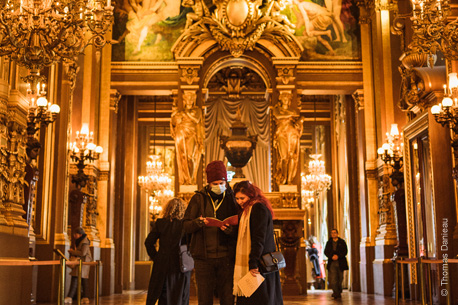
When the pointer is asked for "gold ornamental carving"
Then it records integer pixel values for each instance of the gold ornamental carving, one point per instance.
(236, 25)
(189, 74)
(285, 75)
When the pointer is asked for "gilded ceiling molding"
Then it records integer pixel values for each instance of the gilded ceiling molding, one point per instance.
(235, 25)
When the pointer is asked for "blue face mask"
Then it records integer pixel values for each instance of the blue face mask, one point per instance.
(218, 189)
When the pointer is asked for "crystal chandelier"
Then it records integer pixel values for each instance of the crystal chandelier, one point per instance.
(156, 179)
(154, 207)
(307, 197)
(82, 150)
(37, 33)
(317, 181)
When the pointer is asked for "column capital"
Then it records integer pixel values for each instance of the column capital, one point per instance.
(358, 97)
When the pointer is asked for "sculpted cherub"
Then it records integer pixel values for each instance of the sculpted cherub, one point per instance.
(199, 8)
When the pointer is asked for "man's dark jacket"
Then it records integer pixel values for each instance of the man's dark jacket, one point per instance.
(341, 251)
(191, 225)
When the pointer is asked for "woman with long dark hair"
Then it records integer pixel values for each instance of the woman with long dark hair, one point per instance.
(168, 284)
(255, 238)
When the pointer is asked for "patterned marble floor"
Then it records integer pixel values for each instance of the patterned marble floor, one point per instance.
(316, 297)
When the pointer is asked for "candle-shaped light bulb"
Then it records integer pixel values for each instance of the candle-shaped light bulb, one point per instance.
(85, 129)
(394, 130)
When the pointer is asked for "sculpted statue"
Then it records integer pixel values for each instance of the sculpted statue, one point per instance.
(286, 139)
(187, 129)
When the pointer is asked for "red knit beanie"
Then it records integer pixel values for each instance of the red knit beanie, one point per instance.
(216, 170)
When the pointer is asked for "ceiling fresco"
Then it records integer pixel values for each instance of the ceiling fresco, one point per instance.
(146, 30)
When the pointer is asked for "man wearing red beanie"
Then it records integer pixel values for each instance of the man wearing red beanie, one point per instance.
(212, 247)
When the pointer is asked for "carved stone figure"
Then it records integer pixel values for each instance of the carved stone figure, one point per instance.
(199, 9)
(286, 139)
(188, 132)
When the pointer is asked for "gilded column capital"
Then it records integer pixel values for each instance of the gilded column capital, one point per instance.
(190, 74)
(71, 70)
(285, 74)
(115, 97)
(358, 97)
(366, 9)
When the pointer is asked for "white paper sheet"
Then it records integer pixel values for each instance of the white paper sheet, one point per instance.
(249, 283)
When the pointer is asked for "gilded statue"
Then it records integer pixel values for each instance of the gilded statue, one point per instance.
(286, 139)
(187, 129)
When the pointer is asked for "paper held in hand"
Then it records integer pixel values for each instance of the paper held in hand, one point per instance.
(249, 283)
(213, 222)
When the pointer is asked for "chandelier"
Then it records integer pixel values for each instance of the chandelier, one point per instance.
(431, 29)
(317, 181)
(391, 154)
(82, 150)
(446, 112)
(41, 113)
(156, 179)
(37, 33)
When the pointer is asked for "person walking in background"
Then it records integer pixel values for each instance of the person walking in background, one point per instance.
(336, 251)
(213, 248)
(255, 238)
(82, 252)
(167, 284)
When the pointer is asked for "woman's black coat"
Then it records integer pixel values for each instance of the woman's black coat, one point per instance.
(166, 268)
(262, 241)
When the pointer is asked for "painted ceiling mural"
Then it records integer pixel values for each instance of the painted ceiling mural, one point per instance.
(147, 29)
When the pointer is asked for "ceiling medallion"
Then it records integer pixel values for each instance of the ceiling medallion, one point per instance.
(237, 24)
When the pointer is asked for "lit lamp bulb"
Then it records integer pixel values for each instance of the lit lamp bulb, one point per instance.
(447, 102)
(394, 130)
(380, 151)
(452, 80)
(42, 102)
(54, 108)
(436, 109)
(91, 146)
(386, 147)
(99, 149)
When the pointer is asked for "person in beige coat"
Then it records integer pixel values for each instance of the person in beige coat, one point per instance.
(82, 252)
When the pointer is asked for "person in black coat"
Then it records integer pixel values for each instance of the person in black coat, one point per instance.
(336, 251)
(256, 216)
(212, 247)
(168, 284)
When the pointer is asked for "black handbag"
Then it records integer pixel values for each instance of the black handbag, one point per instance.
(186, 260)
(272, 261)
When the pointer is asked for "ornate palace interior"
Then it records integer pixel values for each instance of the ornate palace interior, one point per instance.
(344, 112)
